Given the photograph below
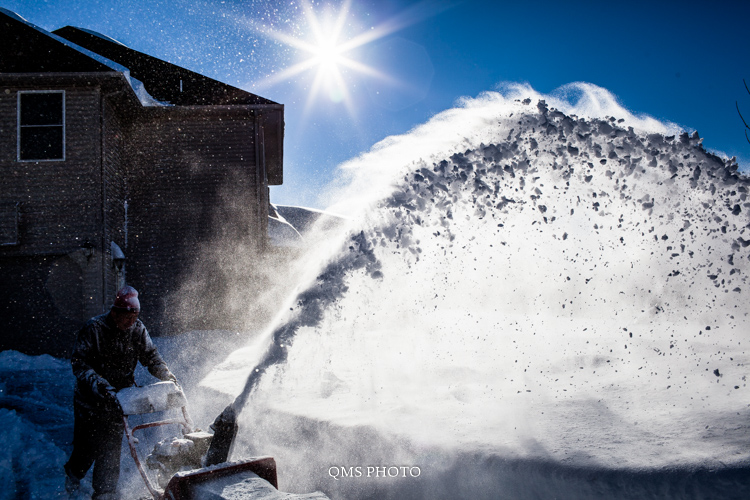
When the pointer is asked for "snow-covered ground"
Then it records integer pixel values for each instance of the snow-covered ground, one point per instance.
(531, 300)
(36, 424)
(36, 414)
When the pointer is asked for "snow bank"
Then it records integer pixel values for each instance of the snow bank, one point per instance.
(17, 361)
(36, 424)
(30, 464)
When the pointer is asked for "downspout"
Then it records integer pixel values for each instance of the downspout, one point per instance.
(102, 154)
(259, 164)
(265, 201)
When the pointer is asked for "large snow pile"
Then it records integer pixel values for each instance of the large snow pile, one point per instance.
(36, 424)
(524, 283)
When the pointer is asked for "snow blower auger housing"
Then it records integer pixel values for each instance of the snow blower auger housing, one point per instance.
(179, 462)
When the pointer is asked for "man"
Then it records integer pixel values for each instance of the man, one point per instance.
(106, 353)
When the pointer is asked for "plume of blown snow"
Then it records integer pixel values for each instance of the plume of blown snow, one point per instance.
(521, 281)
(363, 180)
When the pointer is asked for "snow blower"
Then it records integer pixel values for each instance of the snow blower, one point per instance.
(193, 465)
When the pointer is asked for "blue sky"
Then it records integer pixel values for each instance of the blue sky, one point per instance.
(682, 62)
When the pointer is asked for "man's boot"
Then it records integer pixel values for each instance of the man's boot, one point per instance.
(106, 496)
(72, 484)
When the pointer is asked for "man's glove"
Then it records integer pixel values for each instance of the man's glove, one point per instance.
(112, 402)
(109, 395)
(171, 378)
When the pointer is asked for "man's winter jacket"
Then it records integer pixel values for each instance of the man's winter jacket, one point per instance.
(105, 358)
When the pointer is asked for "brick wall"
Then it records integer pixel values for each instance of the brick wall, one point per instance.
(59, 201)
(52, 275)
(192, 178)
(114, 188)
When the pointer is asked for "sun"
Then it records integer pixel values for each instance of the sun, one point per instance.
(326, 52)
(326, 46)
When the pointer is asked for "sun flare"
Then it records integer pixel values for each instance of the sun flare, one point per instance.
(326, 51)
(328, 61)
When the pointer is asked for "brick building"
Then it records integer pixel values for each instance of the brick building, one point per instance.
(116, 165)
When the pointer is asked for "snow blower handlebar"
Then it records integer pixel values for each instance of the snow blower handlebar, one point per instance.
(180, 469)
(158, 397)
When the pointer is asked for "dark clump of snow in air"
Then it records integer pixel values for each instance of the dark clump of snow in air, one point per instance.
(532, 298)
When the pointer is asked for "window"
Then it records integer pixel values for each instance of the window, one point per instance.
(41, 125)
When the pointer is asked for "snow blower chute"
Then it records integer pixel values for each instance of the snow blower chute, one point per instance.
(193, 465)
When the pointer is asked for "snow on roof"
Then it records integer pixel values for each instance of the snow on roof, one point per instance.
(12, 14)
(100, 35)
(282, 233)
(303, 219)
(138, 88)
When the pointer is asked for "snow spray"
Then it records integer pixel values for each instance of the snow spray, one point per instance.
(525, 278)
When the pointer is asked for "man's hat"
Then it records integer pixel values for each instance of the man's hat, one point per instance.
(127, 300)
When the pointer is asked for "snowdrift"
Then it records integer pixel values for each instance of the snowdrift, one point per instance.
(522, 283)
(36, 424)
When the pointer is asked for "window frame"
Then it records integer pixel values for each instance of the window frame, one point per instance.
(19, 126)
